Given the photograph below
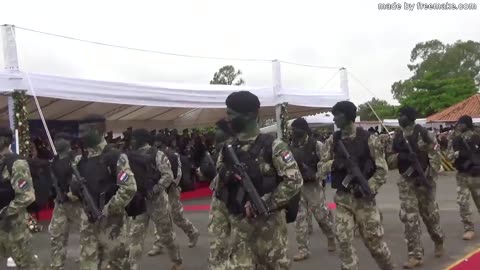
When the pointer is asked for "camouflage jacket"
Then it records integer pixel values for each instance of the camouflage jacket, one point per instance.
(376, 151)
(283, 163)
(127, 185)
(433, 150)
(22, 184)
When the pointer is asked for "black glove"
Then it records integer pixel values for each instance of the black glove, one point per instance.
(337, 164)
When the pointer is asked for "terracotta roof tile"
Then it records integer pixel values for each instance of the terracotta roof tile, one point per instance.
(470, 106)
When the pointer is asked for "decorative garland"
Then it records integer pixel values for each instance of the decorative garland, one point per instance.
(284, 121)
(21, 121)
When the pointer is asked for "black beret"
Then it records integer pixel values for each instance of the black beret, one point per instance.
(301, 123)
(347, 108)
(409, 112)
(467, 120)
(243, 102)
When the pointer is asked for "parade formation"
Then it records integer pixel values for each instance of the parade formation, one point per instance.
(260, 184)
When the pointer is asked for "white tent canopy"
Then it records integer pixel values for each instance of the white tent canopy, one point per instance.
(156, 105)
(394, 122)
(317, 120)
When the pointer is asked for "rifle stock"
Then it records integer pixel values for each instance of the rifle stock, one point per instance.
(91, 209)
(355, 173)
(247, 184)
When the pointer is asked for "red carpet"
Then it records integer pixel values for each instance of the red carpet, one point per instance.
(469, 262)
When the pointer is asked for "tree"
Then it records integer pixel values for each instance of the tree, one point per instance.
(442, 75)
(227, 75)
(381, 107)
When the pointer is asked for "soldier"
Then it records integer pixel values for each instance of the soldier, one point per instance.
(156, 205)
(306, 151)
(112, 185)
(275, 175)
(415, 198)
(16, 194)
(219, 224)
(353, 208)
(176, 207)
(465, 150)
(66, 213)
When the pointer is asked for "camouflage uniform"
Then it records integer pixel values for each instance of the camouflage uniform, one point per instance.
(65, 216)
(15, 236)
(103, 243)
(219, 228)
(313, 201)
(467, 186)
(353, 211)
(157, 210)
(416, 201)
(176, 211)
(260, 240)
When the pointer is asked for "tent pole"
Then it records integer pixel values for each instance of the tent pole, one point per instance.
(10, 56)
(277, 86)
(344, 82)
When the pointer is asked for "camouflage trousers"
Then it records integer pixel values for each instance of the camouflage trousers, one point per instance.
(467, 186)
(365, 214)
(65, 216)
(219, 228)
(262, 242)
(15, 242)
(415, 202)
(102, 244)
(158, 212)
(312, 201)
(179, 219)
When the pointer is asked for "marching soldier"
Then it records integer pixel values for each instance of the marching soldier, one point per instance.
(306, 151)
(465, 150)
(111, 184)
(415, 197)
(354, 207)
(66, 213)
(274, 173)
(16, 194)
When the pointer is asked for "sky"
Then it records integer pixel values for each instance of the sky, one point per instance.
(374, 45)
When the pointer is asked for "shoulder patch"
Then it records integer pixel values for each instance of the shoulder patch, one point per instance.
(287, 156)
(22, 184)
(123, 177)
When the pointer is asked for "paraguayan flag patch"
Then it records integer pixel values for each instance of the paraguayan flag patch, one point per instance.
(123, 177)
(22, 184)
(287, 156)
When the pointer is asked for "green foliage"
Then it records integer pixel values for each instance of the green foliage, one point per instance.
(20, 100)
(434, 94)
(443, 74)
(381, 107)
(227, 75)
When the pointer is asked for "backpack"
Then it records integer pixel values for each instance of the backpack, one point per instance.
(40, 172)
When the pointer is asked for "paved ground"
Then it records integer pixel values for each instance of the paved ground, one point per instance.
(195, 259)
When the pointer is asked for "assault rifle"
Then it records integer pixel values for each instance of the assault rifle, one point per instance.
(61, 195)
(91, 209)
(248, 187)
(355, 173)
(416, 167)
(308, 173)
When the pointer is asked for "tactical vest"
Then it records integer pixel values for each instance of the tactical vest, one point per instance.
(62, 170)
(360, 153)
(41, 177)
(467, 162)
(100, 175)
(306, 155)
(265, 181)
(400, 147)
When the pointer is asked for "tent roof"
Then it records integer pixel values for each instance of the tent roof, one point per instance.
(470, 106)
(175, 104)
